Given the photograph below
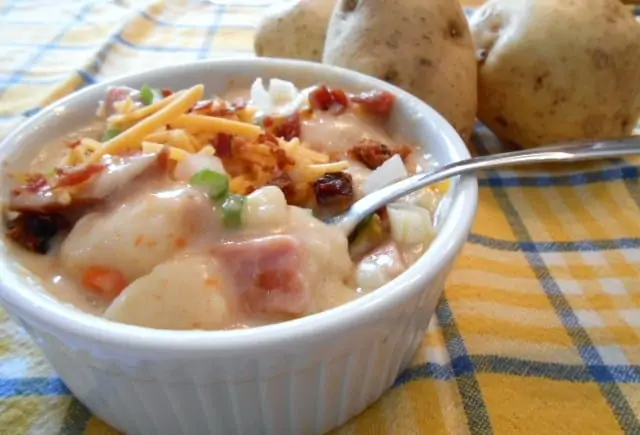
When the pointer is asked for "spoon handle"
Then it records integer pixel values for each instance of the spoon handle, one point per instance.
(565, 152)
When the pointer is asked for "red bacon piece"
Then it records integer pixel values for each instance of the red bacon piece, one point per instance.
(376, 102)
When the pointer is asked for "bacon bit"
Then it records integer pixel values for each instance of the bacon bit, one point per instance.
(180, 242)
(289, 128)
(219, 108)
(34, 183)
(139, 240)
(325, 99)
(334, 189)
(239, 104)
(164, 162)
(35, 231)
(202, 106)
(268, 122)
(73, 177)
(222, 145)
(268, 138)
(282, 159)
(376, 102)
(284, 127)
(73, 144)
(373, 154)
(104, 281)
(166, 92)
(283, 181)
(211, 282)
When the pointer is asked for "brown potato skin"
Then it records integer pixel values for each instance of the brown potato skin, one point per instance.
(554, 70)
(294, 31)
(422, 46)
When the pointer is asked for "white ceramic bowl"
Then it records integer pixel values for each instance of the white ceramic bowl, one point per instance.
(303, 376)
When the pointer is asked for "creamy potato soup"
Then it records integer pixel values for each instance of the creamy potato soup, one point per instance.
(177, 211)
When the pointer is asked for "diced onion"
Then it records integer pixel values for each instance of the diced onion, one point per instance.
(282, 92)
(410, 224)
(282, 98)
(194, 163)
(370, 276)
(388, 173)
(266, 207)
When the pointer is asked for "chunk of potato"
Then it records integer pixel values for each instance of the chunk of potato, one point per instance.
(424, 47)
(295, 30)
(553, 70)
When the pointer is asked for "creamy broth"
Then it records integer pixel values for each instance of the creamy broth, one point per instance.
(184, 237)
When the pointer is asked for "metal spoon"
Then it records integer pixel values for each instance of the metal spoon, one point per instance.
(558, 153)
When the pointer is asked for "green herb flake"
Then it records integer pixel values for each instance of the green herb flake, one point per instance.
(214, 184)
(232, 210)
(147, 95)
(111, 133)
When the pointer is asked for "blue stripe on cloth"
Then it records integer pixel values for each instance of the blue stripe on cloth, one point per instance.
(579, 336)
(463, 370)
(203, 53)
(33, 60)
(75, 419)
(32, 387)
(496, 364)
(541, 247)
(576, 179)
(425, 371)
(30, 112)
(86, 77)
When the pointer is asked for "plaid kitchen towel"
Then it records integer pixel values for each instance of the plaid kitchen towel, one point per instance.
(539, 328)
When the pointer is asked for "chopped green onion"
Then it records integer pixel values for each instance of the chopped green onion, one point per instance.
(110, 134)
(215, 184)
(147, 95)
(232, 210)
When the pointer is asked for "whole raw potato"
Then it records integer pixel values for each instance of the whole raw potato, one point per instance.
(552, 70)
(294, 30)
(422, 46)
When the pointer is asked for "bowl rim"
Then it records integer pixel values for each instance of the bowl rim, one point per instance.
(41, 308)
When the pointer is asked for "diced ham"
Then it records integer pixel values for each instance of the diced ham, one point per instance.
(267, 274)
